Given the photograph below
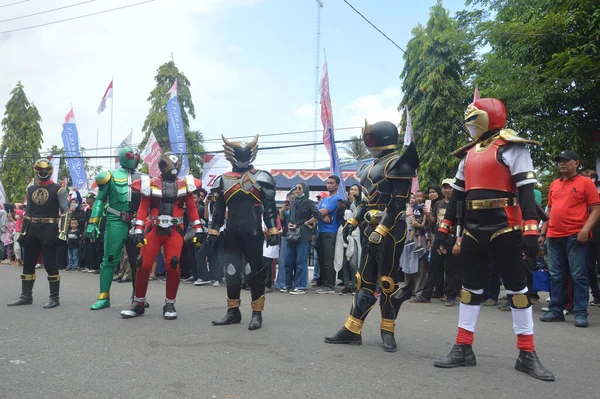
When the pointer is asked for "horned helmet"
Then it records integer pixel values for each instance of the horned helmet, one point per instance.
(169, 165)
(485, 115)
(43, 169)
(129, 158)
(379, 137)
(239, 153)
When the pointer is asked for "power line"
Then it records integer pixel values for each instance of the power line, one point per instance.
(78, 17)
(373, 25)
(15, 3)
(47, 11)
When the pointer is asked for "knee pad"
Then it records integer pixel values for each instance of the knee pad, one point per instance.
(520, 301)
(387, 284)
(470, 298)
(174, 262)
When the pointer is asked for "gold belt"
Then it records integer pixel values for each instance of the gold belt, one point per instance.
(44, 220)
(492, 203)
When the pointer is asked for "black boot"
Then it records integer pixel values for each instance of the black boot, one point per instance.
(389, 342)
(344, 336)
(256, 321)
(136, 309)
(460, 355)
(233, 316)
(26, 297)
(54, 282)
(529, 363)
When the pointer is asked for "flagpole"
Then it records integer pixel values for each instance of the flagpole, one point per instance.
(112, 103)
(97, 134)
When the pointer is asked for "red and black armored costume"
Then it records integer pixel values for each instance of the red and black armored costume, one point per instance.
(244, 193)
(494, 190)
(160, 224)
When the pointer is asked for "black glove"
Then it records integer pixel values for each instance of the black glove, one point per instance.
(139, 240)
(211, 241)
(273, 240)
(440, 237)
(199, 238)
(348, 229)
(21, 240)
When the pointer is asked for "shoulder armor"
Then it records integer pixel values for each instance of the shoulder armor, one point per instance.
(264, 177)
(145, 187)
(511, 136)
(190, 183)
(217, 183)
(103, 177)
(404, 166)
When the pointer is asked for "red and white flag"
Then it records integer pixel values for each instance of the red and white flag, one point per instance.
(151, 154)
(476, 94)
(70, 118)
(107, 94)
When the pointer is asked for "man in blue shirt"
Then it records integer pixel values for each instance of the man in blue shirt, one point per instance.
(328, 228)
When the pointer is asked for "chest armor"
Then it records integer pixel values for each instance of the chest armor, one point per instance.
(121, 192)
(42, 201)
(484, 170)
(169, 197)
(376, 187)
(241, 185)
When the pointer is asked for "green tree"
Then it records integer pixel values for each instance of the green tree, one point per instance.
(544, 63)
(63, 169)
(157, 121)
(355, 150)
(21, 143)
(437, 66)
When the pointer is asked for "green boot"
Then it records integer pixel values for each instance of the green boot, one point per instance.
(102, 302)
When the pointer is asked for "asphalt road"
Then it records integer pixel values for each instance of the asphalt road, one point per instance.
(72, 352)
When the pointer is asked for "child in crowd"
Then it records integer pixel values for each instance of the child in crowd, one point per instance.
(417, 218)
(73, 241)
(7, 237)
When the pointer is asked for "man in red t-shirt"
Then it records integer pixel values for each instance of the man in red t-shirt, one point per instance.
(574, 208)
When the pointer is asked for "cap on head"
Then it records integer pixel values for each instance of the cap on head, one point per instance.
(322, 194)
(484, 115)
(448, 182)
(240, 154)
(567, 155)
(43, 169)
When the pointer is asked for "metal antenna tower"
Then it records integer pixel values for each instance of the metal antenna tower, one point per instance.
(316, 118)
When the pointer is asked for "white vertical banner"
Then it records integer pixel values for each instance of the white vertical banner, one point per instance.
(55, 161)
(214, 166)
(2, 194)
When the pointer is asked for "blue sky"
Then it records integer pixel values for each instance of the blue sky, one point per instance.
(251, 64)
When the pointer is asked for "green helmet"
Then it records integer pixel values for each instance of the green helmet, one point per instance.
(129, 157)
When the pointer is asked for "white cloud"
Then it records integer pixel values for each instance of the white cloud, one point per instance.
(374, 107)
(73, 62)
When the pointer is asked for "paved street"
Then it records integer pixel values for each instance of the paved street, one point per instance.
(72, 352)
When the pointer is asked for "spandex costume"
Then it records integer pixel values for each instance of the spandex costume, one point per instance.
(46, 201)
(116, 198)
(161, 212)
(241, 193)
(498, 227)
(386, 187)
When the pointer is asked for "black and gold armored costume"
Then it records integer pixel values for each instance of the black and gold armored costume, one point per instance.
(244, 193)
(386, 185)
(46, 202)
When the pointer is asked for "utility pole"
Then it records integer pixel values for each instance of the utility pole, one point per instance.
(318, 54)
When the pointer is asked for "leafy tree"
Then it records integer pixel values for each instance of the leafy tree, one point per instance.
(21, 143)
(157, 121)
(355, 150)
(63, 170)
(436, 67)
(544, 63)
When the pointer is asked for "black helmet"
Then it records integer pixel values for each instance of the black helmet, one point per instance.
(380, 136)
(43, 169)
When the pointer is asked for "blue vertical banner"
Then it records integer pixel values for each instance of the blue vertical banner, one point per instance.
(176, 131)
(75, 162)
(328, 135)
